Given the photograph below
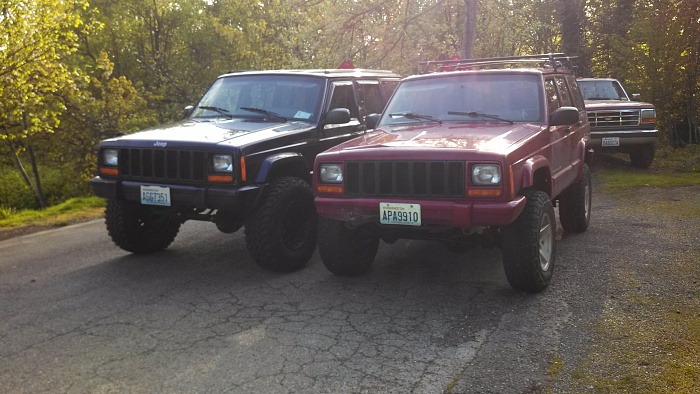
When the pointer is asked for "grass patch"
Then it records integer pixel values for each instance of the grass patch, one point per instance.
(75, 209)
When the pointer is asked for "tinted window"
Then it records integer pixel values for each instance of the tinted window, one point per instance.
(370, 98)
(564, 98)
(576, 93)
(343, 96)
(552, 96)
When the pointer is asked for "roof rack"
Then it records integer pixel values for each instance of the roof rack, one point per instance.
(553, 60)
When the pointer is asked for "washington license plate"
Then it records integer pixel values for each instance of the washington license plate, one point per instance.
(155, 195)
(611, 141)
(404, 214)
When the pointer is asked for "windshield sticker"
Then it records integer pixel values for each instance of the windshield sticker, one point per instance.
(302, 115)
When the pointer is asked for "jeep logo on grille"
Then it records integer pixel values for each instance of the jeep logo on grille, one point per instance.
(160, 144)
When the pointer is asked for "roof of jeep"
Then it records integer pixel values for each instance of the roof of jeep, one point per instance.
(323, 73)
(441, 74)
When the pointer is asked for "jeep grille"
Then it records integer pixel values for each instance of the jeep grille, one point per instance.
(614, 118)
(163, 164)
(405, 178)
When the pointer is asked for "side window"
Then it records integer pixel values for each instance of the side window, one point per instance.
(576, 93)
(552, 97)
(564, 97)
(370, 97)
(343, 96)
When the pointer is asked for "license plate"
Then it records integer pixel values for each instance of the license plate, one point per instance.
(611, 141)
(404, 214)
(155, 195)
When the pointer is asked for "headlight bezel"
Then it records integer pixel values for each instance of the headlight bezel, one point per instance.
(647, 115)
(331, 173)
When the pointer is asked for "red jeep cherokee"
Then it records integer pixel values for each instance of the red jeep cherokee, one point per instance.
(479, 152)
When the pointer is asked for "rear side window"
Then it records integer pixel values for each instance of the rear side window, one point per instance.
(370, 97)
(576, 93)
(564, 98)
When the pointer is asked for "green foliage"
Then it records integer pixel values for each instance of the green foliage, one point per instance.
(61, 214)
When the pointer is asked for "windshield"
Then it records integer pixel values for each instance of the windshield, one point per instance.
(273, 97)
(467, 98)
(602, 90)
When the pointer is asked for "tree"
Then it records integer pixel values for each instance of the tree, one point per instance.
(37, 36)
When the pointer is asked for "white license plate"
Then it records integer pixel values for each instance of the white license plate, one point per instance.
(611, 141)
(405, 214)
(155, 195)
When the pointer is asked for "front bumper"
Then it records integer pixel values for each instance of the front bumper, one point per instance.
(626, 137)
(188, 196)
(433, 213)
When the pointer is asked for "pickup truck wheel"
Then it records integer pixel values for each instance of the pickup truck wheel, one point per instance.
(529, 245)
(344, 251)
(281, 232)
(575, 204)
(642, 156)
(139, 229)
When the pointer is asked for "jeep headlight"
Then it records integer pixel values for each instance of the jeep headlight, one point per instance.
(222, 163)
(110, 157)
(331, 173)
(648, 116)
(486, 175)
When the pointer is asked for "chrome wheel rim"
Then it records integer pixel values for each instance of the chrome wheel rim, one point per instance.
(546, 242)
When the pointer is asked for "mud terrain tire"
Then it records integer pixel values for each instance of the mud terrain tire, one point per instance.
(281, 233)
(344, 251)
(139, 229)
(529, 245)
(575, 204)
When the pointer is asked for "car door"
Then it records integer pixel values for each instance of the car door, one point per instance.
(560, 148)
(342, 94)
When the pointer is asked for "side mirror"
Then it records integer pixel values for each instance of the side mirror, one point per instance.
(338, 116)
(371, 121)
(564, 116)
(188, 110)
(636, 96)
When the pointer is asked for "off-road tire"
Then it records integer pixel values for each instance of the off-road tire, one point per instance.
(529, 245)
(575, 204)
(642, 156)
(281, 233)
(345, 251)
(139, 229)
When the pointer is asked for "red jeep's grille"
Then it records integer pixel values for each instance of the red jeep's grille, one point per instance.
(614, 118)
(405, 178)
(162, 165)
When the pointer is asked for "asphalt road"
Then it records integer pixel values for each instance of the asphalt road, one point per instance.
(79, 315)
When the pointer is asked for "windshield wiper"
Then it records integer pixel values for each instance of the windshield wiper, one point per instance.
(474, 114)
(264, 112)
(222, 111)
(414, 116)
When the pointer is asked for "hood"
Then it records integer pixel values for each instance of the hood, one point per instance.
(486, 137)
(593, 105)
(211, 131)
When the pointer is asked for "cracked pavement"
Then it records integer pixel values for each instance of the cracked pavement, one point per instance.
(81, 315)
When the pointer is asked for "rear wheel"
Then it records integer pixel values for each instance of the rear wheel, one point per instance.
(345, 251)
(642, 156)
(281, 233)
(529, 245)
(575, 204)
(139, 229)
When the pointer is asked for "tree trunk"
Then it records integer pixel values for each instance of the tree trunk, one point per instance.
(19, 165)
(469, 29)
(37, 181)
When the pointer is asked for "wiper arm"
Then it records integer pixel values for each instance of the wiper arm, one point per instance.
(264, 112)
(222, 111)
(414, 116)
(474, 114)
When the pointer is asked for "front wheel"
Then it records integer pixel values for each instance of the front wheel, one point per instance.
(139, 229)
(575, 204)
(281, 233)
(529, 245)
(642, 156)
(345, 251)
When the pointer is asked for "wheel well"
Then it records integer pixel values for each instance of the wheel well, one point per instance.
(541, 181)
(294, 169)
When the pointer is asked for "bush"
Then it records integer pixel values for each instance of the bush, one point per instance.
(58, 186)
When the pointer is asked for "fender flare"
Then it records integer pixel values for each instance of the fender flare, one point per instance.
(276, 161)
(531, 166)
